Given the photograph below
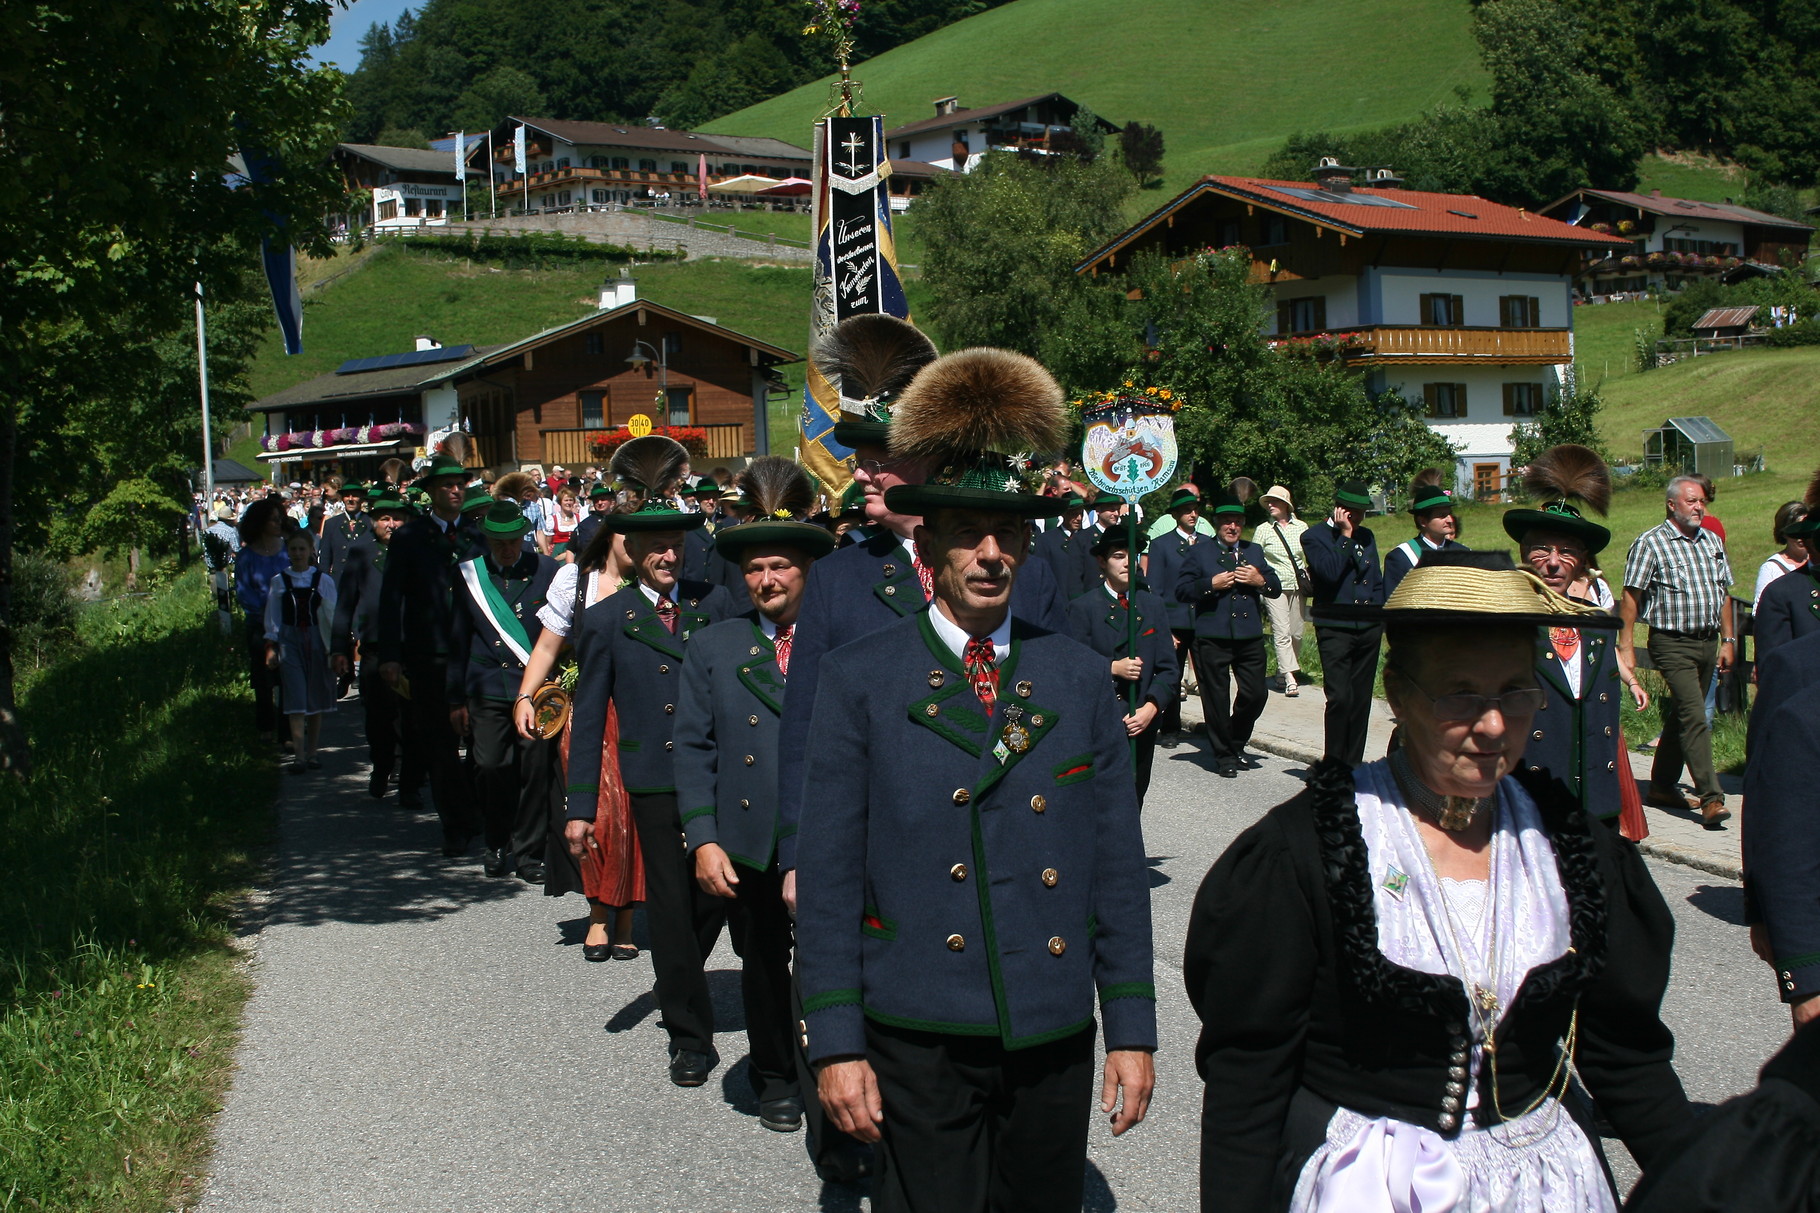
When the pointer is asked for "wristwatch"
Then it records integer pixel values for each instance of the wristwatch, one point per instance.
(1728, 640)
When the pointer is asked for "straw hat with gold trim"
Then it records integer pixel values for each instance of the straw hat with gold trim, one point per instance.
(1453, 587)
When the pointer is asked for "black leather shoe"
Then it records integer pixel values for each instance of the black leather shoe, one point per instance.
(376, 785)
(498, 861)
(531, 873)
(597, 951)
(689, 1068)
(782, 1115)
(1169, 741)
(1228, 770)
(454, 846)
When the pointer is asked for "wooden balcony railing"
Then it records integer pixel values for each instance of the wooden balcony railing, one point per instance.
(1435, 345)
(572, 448)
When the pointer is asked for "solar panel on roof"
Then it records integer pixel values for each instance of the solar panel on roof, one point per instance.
(386, 362)
(1333, 199)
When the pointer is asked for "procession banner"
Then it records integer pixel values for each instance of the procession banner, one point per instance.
(461, 157)
(855, 269)
(518, 155)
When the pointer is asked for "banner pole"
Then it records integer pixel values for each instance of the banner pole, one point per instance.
(1131, 693)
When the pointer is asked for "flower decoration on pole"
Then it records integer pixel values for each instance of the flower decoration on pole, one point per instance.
(834, 20)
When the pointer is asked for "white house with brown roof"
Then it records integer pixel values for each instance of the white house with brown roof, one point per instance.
(582, 164)
(1675, 242)
(401, 187)
(956, 138)
(1463, 305)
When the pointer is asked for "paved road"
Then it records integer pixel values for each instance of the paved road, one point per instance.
(423, 1038)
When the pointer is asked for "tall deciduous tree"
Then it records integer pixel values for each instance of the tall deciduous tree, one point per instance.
(1141, 147)
(121, 121)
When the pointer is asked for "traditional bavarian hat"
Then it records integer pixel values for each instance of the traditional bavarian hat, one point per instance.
(1562, 476)
(870, 360)
(650, 465)
(781, 494)
(1471, 587)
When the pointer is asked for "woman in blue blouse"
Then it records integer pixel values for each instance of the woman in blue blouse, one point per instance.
(261, 556)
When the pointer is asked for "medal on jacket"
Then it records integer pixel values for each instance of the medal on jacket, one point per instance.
(1015, 738)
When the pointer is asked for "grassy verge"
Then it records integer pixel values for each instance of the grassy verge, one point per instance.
(119, 994)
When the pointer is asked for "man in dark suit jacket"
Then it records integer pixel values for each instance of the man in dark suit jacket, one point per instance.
(855, 592)
(1162, 566)
(1794, 666)
(1103, 621)
(1431, 509)
(496, 627)
(1578, 735)
(1225, 583)
(600, 506)
(1064, 547)
(971, 806)
(416, 619)
(631, 647)
(726, 784)
(343, 530)
(1782, 837)
(1790, 605)
(357, 595)
(1343, 565)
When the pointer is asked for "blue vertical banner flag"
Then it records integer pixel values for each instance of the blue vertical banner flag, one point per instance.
(855, 269)
(277, 257)
(461, 156)
(518, 154)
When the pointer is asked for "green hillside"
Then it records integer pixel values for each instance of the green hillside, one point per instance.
(1224, 80)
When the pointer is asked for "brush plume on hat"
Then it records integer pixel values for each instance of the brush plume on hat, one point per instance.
(980, 400)
(457, 446)
(513, 485)
(776, 488)
(1427, 478)
(653, 463)
(1565, 478)
(1242, 488)
(1571, 472)
(870, 359)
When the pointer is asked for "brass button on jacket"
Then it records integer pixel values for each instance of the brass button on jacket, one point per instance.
(749, 760)
(958, 871)
(752, 720)
(669, 745)
(663, 669)
(1057, 945)
(1038, 802)
(669, 709)
(1050, 877)
(962, 796)
(956, 943)
(745, 804)
(1537, 735)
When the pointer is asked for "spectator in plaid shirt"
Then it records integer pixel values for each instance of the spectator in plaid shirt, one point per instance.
(1677, 580)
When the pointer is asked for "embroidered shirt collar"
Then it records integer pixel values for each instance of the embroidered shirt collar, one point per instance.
(955, 638)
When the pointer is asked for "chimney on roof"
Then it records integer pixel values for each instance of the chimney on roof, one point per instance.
(946, 105)
(1333, 176)
(1383, 179)
(618, 292)
(428, 343)
(1655, 193)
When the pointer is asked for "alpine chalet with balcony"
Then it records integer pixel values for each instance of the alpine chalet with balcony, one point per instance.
(1675, 242)
(957, 138)
(1462, 305)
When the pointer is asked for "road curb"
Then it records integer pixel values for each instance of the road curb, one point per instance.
(1671, 853)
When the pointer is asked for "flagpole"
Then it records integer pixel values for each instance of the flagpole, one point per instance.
(492, 195)
(202, 374)
(1131, 555)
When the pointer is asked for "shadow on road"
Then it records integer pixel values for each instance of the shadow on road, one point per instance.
(344, 857)
(1722, 901)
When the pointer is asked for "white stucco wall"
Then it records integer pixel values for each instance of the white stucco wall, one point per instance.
(1394, 296)
(1340, 291)
(1714, 230)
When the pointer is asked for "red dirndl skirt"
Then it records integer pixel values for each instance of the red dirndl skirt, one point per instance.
(613, 875)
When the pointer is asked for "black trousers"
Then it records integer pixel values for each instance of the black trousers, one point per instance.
(514, 781)
(1349, 670)
(1230, 719)
(265, 679)
(428, 709)
(684, 922)
(759, 924)
(972, 1126)
(1169, 720)
(1143, 756)
(391, 733)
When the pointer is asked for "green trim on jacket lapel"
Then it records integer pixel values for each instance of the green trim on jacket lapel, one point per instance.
(759, 674)
(902, 592)
(649, 629)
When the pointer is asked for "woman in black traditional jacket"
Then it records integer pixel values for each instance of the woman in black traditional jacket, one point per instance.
(1399, 970)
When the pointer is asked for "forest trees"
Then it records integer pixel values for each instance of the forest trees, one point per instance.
(114, 208)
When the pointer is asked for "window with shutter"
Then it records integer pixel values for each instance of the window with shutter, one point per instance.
(1308, 315)
(1444, 311)
(1522, 399)
(1459, 400)
(1444, 401)
(1519, 311)
(1430, 406)
(1283, 322)
(593, 409)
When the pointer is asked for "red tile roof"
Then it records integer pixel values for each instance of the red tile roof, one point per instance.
(1368, 211)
